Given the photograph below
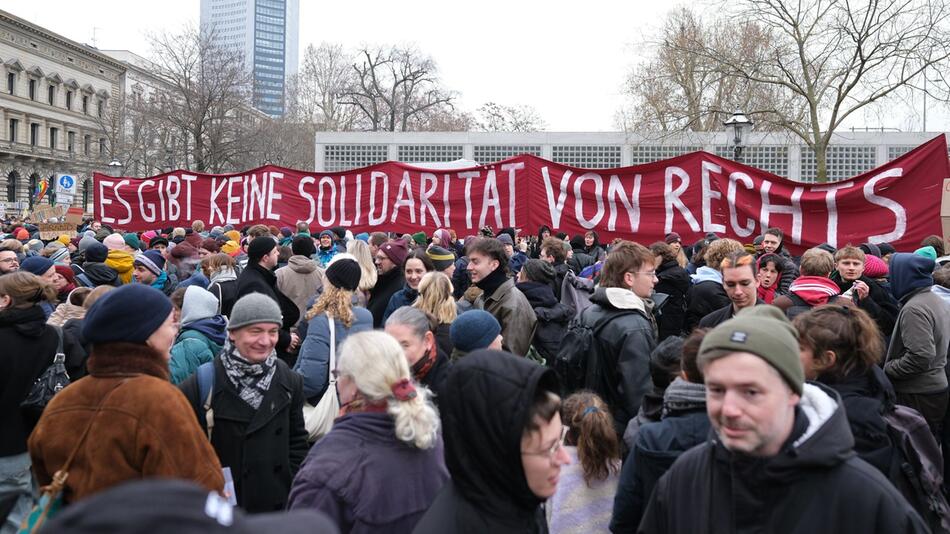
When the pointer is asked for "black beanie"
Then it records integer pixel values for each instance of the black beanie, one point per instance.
(260, 247)
(130, 313)
(302, 245)
(97, 253)
(344, 273)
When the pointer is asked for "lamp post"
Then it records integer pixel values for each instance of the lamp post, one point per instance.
(115, 168)
(739, 124)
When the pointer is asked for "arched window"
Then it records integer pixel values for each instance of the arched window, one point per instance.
(12, 180)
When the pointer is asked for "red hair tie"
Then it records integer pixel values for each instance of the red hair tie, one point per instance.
(403, 390)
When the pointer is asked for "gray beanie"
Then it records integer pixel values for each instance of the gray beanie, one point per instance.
(85, 242)
(254, 308)
(198, 304)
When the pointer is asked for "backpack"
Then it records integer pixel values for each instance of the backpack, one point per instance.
(917, 466)
(578, 344)
(576, 292)
(798, 307)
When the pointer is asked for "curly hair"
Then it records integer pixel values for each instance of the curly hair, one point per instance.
(335, 302)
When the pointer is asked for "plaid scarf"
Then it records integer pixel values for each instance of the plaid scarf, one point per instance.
(252, 380)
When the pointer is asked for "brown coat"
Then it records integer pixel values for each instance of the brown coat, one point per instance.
(146, 427)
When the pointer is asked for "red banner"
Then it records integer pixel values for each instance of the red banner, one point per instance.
(690, 194)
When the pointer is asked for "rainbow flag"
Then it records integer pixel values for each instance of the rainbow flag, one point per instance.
(41, 186)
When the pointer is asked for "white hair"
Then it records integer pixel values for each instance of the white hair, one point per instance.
(376, 361)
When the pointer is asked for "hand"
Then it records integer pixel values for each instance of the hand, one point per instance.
(861, 289)
(294, 341)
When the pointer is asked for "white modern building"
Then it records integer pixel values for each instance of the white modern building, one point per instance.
(55, 95)
(266, 33)
(850, 153)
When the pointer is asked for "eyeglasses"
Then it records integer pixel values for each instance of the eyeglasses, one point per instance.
(8, 260)
(552, 452)
(651, 274)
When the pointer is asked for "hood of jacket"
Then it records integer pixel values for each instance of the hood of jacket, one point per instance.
(302, 264)
(482, 427)
(198, 304)
(942, 292)
(101, 274)
(621, 299)
(815, 290)
(821, 439)
(539, 295)
(910, 272)
(121, 261)
(706, 274)
(213, 328)
(30, 322)
(682, 395)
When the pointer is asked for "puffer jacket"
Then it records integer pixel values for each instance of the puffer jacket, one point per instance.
(197, 343)
(814, 485)
(553, 318)
(618, 369)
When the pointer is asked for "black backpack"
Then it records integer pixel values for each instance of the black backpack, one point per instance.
(917, 466)
(576, 348)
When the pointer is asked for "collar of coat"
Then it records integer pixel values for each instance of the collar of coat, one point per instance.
(126, 359)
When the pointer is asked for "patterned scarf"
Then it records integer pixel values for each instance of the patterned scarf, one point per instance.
(252, 380)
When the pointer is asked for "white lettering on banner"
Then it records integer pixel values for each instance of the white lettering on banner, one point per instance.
(555, 208)
(359, 198)
(246, 205)
(491, 198)
(303, 193)
(445, 200)
(326, 222)
(405, 186)
(343, 221)
(511, 168)
(174, 208)
(258, 195)
(741, 231)
(794, 209)
(708, 195)
(233, 201)
(373, 221)
(215, 191)
(188, 178)
(150, 217)
(425, 192)
(830, 202)
(122, 201)
(103, 201)
(467, 176)
(632, 206)
(900, 215)
(579, 200)
(273, 195)
(672, 199)
(161, 199)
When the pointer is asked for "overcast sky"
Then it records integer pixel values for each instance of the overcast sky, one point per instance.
(568, 59)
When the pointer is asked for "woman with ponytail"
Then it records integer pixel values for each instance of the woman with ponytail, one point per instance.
(585, 495)
(381, 465)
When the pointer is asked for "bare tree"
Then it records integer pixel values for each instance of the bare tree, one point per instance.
(494, 117)
(395, 87)
(315, 94)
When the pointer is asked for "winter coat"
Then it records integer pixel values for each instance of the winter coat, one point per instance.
(300, 280)
(145, 427)
(225, 287)
(461, 279)
(553, 318)
(404, 297)
(673, 281)
(814, 485)
(386, 285)
(514, 314)
(265, 447)
(365, 479)
(122, 262)
(65, 312)
(809, 292)
(560, 272)
(488, 491)
(619, 367)
(257, 279)
(95, 274)
(313, 360)
(722, 315)
(580, 260)
(879, 303)
(29, 346)
(657, 445)
(705, 296)
(443, 337)
(579, 508)
(517, 261)
(197, 343)
(917, 353)
(435, 377)
(323, 257)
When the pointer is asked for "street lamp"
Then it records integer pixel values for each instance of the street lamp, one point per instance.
(740, 125)
(115, 168)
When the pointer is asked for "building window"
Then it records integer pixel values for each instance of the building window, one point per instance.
(69, 100)
(52, 137)
(85, 105)
(14, 126)
(85, 192)
(86, 142)
(34, 134)
(71, 141)
(11, 82)
(102, 146)
(12, 179)
(51, 94)
(32, 89)
(99, 107)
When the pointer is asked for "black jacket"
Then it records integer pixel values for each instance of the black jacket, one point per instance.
(257, 279)
(814, 485)
(488, 491)
(386, 285)
(702, 299)
(227, 293)
(435, 378)
(879, 303)
(722, 315)
(673, 281)
(28, 349)
(618, 369)
(263, 448)
(553, 318)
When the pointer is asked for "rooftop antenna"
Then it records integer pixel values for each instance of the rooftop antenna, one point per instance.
(95, 43)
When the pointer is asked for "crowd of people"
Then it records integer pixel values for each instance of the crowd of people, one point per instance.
(312, 380)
